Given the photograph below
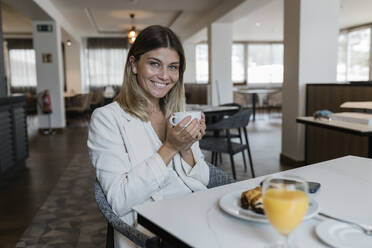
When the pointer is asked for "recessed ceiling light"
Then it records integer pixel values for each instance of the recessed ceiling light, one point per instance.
(258, 24)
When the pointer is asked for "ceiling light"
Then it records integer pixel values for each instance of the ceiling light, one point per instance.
(68, 43)
(132, 33)
(258, 24)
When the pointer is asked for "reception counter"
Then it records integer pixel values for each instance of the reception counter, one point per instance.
(328, 143)
(13, 134)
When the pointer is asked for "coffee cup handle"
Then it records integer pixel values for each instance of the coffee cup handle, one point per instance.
(171, 120)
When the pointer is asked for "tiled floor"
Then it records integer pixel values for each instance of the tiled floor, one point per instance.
(51, 204)
(69, 217)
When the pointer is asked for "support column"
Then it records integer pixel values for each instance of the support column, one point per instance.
(73, 65)
(220, 46)
(49, 69)
(310, 56)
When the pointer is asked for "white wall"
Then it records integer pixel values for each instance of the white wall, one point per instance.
(50, 75)
(310, 56)
(72, 62)
(220, 46)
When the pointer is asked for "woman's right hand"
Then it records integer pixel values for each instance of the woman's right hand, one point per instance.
(180, 137)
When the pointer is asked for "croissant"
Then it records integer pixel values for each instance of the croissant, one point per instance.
(252, 200)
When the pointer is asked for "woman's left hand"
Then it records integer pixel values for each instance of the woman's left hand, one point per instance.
(202, 127)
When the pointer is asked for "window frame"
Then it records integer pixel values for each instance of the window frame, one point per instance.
(245, 82)
(261, 85)
(352, 29)
(196, 66)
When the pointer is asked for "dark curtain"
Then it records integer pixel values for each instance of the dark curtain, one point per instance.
(19, 44)
(99, 43)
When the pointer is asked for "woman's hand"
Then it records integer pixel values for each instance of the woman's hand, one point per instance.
(180, 137)
(202, 126)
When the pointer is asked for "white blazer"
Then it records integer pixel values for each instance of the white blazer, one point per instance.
(128, 166)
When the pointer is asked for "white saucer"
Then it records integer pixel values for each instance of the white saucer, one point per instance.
(342, 235)
(230, 203)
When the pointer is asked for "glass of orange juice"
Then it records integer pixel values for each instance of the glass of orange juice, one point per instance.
(285, 204)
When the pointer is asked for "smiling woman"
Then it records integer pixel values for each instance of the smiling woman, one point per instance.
(138, 155)
(158, 48)
(158, 72)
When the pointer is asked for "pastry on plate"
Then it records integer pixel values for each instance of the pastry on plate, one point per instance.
(252, 200)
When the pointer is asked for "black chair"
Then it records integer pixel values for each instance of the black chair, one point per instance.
(216, 178)
(214, 133)
(224, 144)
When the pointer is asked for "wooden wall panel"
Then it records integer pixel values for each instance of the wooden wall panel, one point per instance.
(196, 93)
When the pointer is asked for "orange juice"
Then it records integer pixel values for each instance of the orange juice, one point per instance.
(285, 209)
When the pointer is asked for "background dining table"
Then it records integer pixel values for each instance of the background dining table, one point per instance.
(254, 93)
(212, 113)
(196, 220)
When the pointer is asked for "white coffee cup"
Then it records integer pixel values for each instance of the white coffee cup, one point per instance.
(177, 117)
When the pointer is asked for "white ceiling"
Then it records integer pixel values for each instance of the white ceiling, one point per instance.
(14, 22)
(252, 19)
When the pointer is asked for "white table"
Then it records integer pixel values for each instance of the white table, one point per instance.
(210, 109)
(213, 113)
(196, 220)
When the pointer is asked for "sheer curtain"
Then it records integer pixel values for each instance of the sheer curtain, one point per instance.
(265, 63)
(201, 56)
(106, 60)
(22, 66)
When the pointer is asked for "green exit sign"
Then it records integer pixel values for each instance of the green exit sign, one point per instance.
(44, 28)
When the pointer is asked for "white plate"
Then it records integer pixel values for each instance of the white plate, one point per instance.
(341, 235)
(230, 203)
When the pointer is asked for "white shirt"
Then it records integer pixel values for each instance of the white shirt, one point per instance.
(123, 149)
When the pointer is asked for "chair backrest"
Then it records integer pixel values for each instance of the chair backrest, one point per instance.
(128, 231)
(238, 120)
(98, 97)
(216, 178)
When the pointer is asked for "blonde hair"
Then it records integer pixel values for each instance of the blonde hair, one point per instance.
(131, 97)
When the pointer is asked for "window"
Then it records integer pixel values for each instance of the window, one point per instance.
(105, 66)
(237, 63)
(201, 63)
(354, 55)
(265, 63)
(22, 68)
(358, 55)
(341, 58)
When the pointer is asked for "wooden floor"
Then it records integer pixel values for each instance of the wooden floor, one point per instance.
(23, 195)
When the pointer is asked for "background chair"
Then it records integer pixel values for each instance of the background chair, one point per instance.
(225, 144)
(217, 133)
(79, 104)
(216, 178)
(97, 99)
(274, 101)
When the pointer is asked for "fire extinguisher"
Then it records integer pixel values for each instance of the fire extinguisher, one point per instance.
(46, 103)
